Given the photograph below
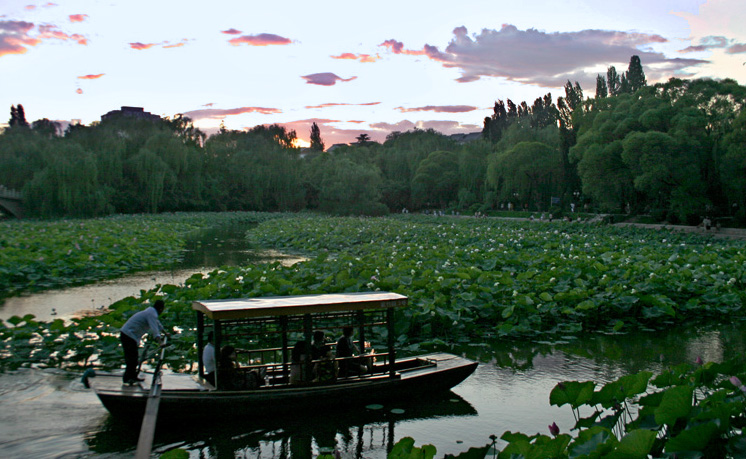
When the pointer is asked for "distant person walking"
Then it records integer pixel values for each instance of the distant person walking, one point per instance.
(132, 332)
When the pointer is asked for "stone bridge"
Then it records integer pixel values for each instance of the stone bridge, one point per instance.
(11, 202)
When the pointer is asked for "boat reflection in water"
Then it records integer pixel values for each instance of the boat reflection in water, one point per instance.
(368, 432)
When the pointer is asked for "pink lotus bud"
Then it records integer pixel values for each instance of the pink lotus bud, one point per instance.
(554, 429)
(699, 360)
(735, 381)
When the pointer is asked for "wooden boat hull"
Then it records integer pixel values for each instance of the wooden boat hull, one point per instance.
(198, 402)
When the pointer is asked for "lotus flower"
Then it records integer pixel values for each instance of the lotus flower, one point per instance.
(554, 429)
(699, 360)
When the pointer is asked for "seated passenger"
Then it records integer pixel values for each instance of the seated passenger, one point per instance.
(318, 346)
(346, 349)
(208, 361)
(299, 357)
(326, 368)
(229, 376)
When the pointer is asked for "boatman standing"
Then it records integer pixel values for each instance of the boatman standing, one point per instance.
(130, 336)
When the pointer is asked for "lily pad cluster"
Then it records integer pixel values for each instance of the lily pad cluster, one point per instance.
(690, 410)
(468, 280)
(37, 255)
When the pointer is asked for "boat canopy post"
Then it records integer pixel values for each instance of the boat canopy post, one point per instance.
(360, 315)
(217, 331)
(391, 341)
(308, 335)
(284, 327)
(200, 344)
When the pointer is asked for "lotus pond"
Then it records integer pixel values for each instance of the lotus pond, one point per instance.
(547, 291)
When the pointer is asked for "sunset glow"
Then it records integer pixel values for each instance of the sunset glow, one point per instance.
(399, 67)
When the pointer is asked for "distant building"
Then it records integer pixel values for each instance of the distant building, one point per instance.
(336, 145)
(134, 112)
(466, 138)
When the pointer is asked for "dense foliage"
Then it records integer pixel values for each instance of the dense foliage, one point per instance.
(674, 150)
(467, 279)
(36, 256)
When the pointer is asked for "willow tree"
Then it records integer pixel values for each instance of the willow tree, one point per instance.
(530, 173)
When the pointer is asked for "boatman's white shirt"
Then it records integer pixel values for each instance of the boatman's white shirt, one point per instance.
(208, 358)
(138, 324)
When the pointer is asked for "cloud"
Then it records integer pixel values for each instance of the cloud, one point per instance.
(140, 46)
(736, 48)
(542, 58)
(445, 127)
(167, 45)
(231, 31)
(30, 7)
(330, 133)
(218, 114)
(77, 17)
(339, 104)
(79, 91)
(14, 37)
(397, 47)
(263, 39)
(439, 109)
(51, 31)
(91, 77)
(164, 44)
(324, 79)
(362, 57)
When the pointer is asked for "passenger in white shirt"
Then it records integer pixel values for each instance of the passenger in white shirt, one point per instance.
(208, 361)
(132, 332)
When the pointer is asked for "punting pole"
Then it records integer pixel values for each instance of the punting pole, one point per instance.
(147, 428)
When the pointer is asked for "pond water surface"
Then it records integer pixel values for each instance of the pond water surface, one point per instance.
(48, 413)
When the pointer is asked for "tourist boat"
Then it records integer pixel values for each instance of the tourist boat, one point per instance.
(266, 327)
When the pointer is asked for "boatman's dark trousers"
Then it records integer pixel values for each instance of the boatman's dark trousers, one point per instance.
(130, 357)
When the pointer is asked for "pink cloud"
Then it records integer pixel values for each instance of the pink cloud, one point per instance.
(545, 59)
(175, 45)
(14, 37)
(263, 39)
(325, 79)
(77, 17)
(736, 48)
(362, 57)
(79, 91)
(30, 7)
(331, 134)
(51, 31)
(339, 104)
(397, 47)
(439, 109)
(140, 46)
(91, 77)
(231, 31)
(49, 5)
(218, 114)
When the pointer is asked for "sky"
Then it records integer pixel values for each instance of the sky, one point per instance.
(351, 67)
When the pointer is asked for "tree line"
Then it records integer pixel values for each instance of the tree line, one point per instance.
(675, 150)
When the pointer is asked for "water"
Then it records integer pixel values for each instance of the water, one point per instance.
(206, 251)
(49, 414)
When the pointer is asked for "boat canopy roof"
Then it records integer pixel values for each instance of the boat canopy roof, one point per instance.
(274, 306)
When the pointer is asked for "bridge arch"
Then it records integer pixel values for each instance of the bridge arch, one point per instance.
(11, 202)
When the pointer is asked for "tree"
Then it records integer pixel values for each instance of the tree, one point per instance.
(635, 76)
(17, 116)
(436, 181)
(46, 127)
(316, 142)
(349, 188)
(601, 89)
(362, 139)
(533, 170)
(612, 81)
